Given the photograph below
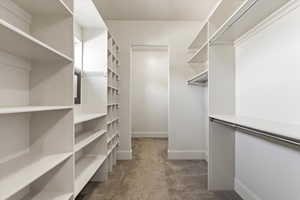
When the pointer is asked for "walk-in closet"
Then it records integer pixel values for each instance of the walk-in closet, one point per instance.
(149, 100)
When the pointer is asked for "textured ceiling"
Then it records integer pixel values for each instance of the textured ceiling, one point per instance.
(155, 9)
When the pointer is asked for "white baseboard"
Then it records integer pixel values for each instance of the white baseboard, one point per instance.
(244, 191)
(150, 134)
(124, 155)
(187, 155)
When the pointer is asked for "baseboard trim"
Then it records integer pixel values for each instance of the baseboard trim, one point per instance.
(150, 134)
(244, 191)
(187, 155)
(124, 155)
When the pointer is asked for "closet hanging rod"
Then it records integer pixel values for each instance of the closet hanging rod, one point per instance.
(258, 133)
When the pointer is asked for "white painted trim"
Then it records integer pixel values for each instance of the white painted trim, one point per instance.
(150, 134)
(124, 155)
(244, 191)
(187, 155)
(277, 15)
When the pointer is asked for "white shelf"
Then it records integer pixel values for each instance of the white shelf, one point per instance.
(31, 168)
(291, 131)
(199, 78)
(201, 38)
(201, 55)
(27, 109)
(86, 167)
(49, 196)
(112, 71)
(83, 117)
(112, 137)
(112, 121)
(19, 43)
(45, 7)
(111, 149)
(113, 104)
(249, 14)
(113, 88)
(84, 139)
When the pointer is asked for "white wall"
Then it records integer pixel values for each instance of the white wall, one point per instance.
(186, 119)
(268, 85)
(150, 77)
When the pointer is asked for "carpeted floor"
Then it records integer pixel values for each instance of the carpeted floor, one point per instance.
(150, 176)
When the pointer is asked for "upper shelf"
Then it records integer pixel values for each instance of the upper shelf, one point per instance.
(286, 131)
(45, 7)
(28, 109)
(201, 38)
(248, 15)
(199, 78)
(19, 43)
(83, 117)
(201, 55)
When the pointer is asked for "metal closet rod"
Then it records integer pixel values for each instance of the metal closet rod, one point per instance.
(256, 132)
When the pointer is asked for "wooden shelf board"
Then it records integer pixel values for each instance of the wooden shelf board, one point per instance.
(246, 17)
(28, 109)
(19, 43)
(199, 78)
(34, 167)
(84, 139)
(49, 196)
(85, 168)
(197, 57)
(45, 7)
(281, 129)
(83, 117)
(112, 121)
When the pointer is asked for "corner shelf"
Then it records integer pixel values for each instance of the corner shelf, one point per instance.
(19, 43)
(85, 139)
(199, 78)
(28, 109)
(86, 167)
(83, 117)
(249, 14)
(33, 168)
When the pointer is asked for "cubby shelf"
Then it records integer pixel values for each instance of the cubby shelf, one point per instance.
(249, 14)
(199, 78)
(112, 121)
(86, 167)
(45, 7)
(28, 109)
(201, 55)
(85, 139)
(33, 167)
(19, 43)
(83, 117)
(49, 196)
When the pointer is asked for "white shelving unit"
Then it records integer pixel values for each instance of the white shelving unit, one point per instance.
(199, 78)
(50, 149)
(230, 22)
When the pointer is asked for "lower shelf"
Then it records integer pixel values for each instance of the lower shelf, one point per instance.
(85, 169)
(49, 196)
(19, 174)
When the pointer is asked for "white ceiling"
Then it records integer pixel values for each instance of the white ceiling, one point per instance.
(155, 9)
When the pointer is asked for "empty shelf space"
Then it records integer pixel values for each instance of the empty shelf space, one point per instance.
(201, 55)
(19, 43)
(201, 38)
(27, 109)
(83, 117)
(112, 87)
(45, 7)
(199, 78)
(112, 121)
(84, 139)
(246, 17)
(49, 196)
(29, 168)
(85, 169)
(112, 137)
(279, 129)
(112, 71)
(111, 149)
